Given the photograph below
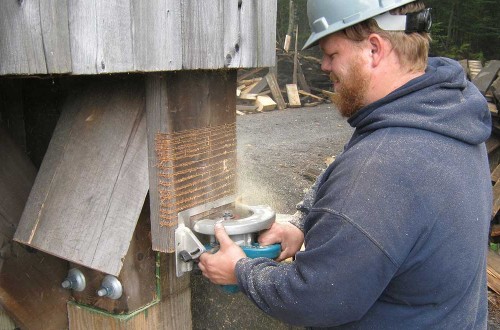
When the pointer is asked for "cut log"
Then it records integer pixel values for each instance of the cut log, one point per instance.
(493, 271)
(258, 87)
(496, 198)
(486, 76)
(275, 89)
(293, 95)
(251, 97)
(495, 175)
(493, 108)
(474, 68)
(265, 103)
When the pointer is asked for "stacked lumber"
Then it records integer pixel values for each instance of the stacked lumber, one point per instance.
(486, 79)
(283, 86)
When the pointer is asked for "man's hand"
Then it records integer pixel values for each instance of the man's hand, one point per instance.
(219, 267)
(290, 237)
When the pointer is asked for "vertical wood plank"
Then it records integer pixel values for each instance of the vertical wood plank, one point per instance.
(203, 34)
(267, 32)
(55, 32)
(83, 35)
(258, 33)
(249, 32)
(157, 51)
(114, 37)
(232, 36)
(191, 103)
(21, 46)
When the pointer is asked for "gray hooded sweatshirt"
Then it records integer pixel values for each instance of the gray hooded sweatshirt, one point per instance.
(396, 229)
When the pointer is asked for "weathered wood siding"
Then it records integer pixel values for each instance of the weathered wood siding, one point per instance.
(107, 36)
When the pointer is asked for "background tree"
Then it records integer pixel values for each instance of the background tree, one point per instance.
(461, 29)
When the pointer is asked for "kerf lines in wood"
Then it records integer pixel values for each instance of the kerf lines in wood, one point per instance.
(194, 167)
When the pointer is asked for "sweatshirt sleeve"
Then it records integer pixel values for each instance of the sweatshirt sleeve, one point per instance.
(305, 206)
(338, 277)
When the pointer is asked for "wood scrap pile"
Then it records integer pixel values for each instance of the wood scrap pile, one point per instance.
(486, 79)
(283, 86)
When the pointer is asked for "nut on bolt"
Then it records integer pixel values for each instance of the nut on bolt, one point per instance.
(74, 281)
(110, 287)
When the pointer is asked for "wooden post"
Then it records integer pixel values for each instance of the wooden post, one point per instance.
(153, 297)
(295, 57)
(191, 126)
(30, 281)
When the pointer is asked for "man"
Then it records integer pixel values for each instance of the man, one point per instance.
(396, 228)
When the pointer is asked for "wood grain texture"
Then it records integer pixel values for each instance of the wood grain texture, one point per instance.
(173, 311)
(157, 51)
(29, 282)
(138, 275)
(172, 107)
(17, 175)
(30, 289)
(203, 33)
(487, 76)
(21, 44)
(99, 36)
(92, 183)
(55, 35)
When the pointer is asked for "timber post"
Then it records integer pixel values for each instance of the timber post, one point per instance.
(115, 116)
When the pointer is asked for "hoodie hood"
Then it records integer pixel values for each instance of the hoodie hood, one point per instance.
(442, 101)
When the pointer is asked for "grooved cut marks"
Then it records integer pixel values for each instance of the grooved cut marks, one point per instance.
(194, 167)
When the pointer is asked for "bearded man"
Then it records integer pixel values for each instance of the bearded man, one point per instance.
(395, 230)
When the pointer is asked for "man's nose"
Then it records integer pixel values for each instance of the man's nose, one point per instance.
(326, 64)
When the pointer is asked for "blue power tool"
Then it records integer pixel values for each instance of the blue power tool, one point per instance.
(255, 250)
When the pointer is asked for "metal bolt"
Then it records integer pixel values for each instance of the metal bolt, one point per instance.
(74, 281)
(110, 287)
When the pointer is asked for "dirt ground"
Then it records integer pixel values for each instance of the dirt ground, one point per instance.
(279, 152)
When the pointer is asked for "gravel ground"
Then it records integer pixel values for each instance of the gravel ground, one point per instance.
(279, 152)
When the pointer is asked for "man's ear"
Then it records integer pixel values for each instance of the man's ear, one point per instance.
(377, 48)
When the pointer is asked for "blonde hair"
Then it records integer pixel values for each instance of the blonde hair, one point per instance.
(412, 49)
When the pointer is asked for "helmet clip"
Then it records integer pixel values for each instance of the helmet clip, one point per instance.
(412, 22)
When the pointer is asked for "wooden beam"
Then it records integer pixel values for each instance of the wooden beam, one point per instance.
(172, 311)
(30, 290)
(192, 145)
(487, 76)
(295, 58)
(493, 271)
(138, 275)
(302, 82)
(265, 103)
(258, 87)
(275, 90)
(293, 95)
(91, 186)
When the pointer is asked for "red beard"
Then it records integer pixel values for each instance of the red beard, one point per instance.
(352, 91)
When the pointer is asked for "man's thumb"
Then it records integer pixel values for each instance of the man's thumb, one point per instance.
(221, 235)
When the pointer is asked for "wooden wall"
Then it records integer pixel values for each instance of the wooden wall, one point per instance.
(106, 36)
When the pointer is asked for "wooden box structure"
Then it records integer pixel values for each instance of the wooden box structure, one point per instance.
(127, 109)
